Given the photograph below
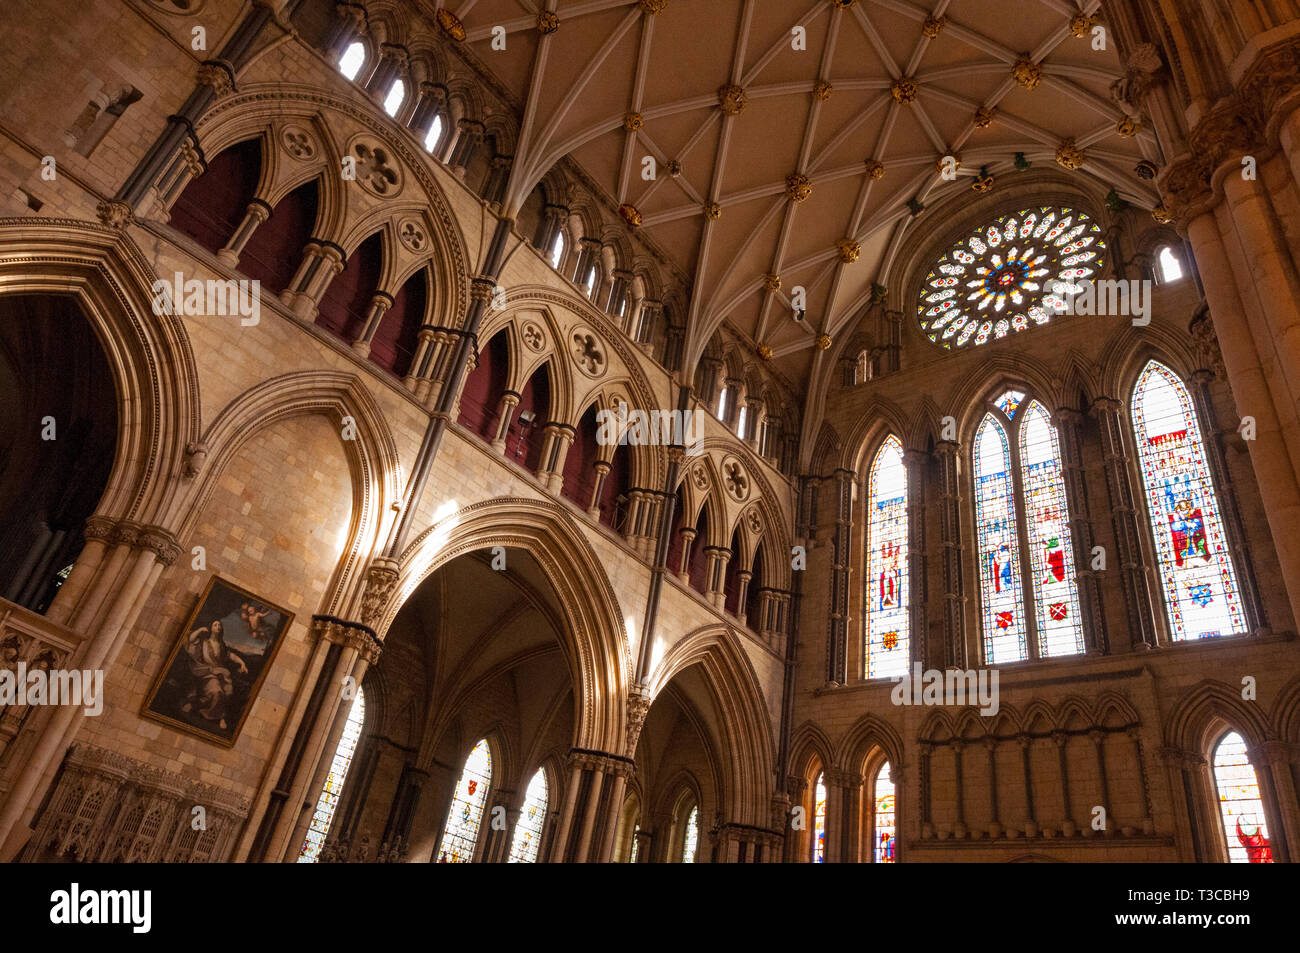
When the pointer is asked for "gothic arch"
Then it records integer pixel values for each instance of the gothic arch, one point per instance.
(867, 733)
(372, 457)
(1203, 708)
(149, 354)
(594, 626)
(743, 716)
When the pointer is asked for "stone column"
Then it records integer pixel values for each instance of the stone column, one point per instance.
(505, 412)
(1277, 758)
(257, 214)
(379, 306)
(349, 25)
(602, 468)
(745, 576)
(688, 537)
(468, 139)
(431, 104)
(1256, 393)
(917, 464)
(1069, 429)
(954, 609)
(718, 559)
(837, 626)
(1139, 600)
(394, 64)
(321, 262)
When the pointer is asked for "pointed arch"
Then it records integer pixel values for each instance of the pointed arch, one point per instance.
(594, 629)
(460, 842)
(748, 749)
(887, 644)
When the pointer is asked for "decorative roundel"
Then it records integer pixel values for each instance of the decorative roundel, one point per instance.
(1001, 278)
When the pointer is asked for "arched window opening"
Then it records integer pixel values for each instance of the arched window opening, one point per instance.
(460, 835)
(1200, 585)
(532, 816)
(580, 463)
(591, 280)
(1020, 506)
(353, 58)
(328, 802)
(888, 636)
(556, 252)
(722, 403)
(819, 820)
(692, 839)
(396, 96)
(1171, 268)
(433, 138)
(740, 422)
(700, 559)
(528, 426)
(636, 844)
(345, 303)
(1240, 806)
(885, 850)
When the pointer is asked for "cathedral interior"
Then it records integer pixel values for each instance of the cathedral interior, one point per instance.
(650, 431)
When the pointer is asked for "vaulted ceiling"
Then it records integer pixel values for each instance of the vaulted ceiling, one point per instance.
(845, 110)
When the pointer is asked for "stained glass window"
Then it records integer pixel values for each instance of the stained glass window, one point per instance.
(819, 820)
(460, 835)
(692, 838)
(887, 633)
(528, 830)
(351, 61)
(1019, 485)
(1240, 805)
(1051, 556)
(1200, 586)
(886, 847)
(999, 279)
(328, 802)
(1001, 594)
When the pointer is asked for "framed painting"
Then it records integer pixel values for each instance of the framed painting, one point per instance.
(216, 667)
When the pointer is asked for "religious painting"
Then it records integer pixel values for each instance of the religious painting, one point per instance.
(218, 663)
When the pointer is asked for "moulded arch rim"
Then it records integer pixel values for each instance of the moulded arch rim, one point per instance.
(594, 628)
(154, 373)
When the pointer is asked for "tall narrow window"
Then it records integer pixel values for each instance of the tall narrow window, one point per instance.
(692, 839)
(1051, 557)
(1171, 269)
(886, 846)
(887, 633)
(434, 136)
(329, 795)
(1002, 598)
(722, 404)
(528, 831)
(1240, 805)
(557, 249)
(1020, 507)
(591, 280)
(1200, 585)
(460, 835)
(636, 844)
(396, 96)
(740, 423)
(351, 61)
(819, 819)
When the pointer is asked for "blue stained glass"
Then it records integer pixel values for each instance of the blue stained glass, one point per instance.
(1002, 598)
(1200, 586)
(887, 635)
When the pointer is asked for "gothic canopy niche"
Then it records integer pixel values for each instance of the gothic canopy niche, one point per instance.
(1004, 277)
